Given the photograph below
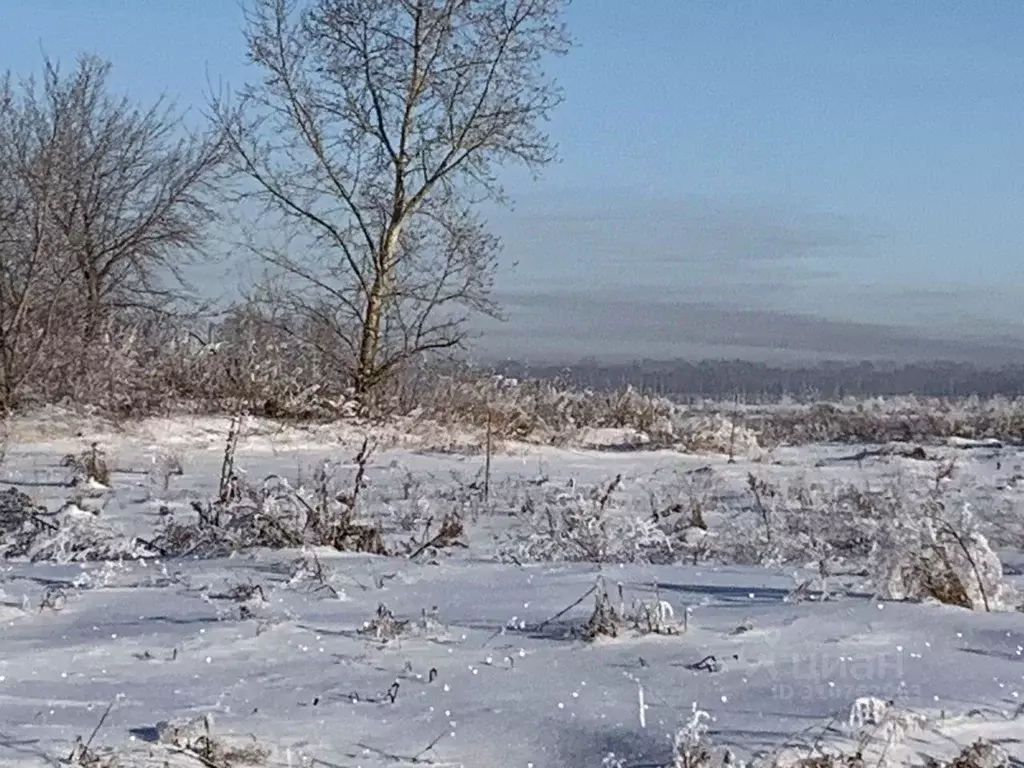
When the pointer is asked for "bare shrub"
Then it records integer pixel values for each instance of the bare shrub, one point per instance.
(642, 617)
(583, 527)
(74, 535)
(980, 754)
(89, 466)
(384, 627)
(273, 515)
(103, 202)
(194, 737)
(918, 539)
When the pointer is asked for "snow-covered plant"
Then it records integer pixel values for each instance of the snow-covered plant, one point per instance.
(821, 524)
(166, 465)
(593, 527)
(75, 535)
(690, 746)
(383, 627)
(89, 466)
(275, 515)
(654, 617)
(714, 433)
(936, 550)
(645, 617)
(21, 520)
(868, 710)
(681, 506)
(881, 722)
(308, 571)
(902, 419)
(980, 754)
(542, 410)
(919, 539)
(194, 737)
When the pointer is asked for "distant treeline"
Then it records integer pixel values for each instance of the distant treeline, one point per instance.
(762, 382)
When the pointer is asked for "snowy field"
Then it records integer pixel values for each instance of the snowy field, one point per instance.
(476, 652)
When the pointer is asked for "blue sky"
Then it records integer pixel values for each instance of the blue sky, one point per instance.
(767, 178)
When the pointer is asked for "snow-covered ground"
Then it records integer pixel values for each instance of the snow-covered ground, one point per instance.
(485, 666)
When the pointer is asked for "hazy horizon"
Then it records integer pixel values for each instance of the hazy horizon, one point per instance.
(782, 180)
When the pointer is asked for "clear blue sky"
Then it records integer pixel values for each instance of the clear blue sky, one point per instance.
(768, 177)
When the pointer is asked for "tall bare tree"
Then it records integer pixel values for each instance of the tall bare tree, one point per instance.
(135, 199)
(373, 132)
(101, 203)
(32, 277)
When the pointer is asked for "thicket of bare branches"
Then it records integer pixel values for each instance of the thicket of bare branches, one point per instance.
(102, 203)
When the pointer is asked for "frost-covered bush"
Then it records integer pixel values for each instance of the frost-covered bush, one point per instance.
(21, 519)
(80, 535)
(877, 719)
(940, 555)
(980, 754)
(662, 519)
(274, 515)
(595, 526)
(551, 411)
(713, 433)
(195, 737)
(823, 524)
(692, 747)
(541, 410)
(918, 540)
(69, 536)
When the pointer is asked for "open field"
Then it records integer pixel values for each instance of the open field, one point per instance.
(478, 644)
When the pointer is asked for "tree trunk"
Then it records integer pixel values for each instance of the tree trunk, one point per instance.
(369, 343)
(376, 303)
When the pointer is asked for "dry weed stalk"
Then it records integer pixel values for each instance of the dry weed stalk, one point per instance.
(228, 487)
(449, 534)
(90, 466)
(384, 626)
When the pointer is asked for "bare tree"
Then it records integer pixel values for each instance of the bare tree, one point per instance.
(31, 278)
(101, 203)
(374, 130)
(135, 190)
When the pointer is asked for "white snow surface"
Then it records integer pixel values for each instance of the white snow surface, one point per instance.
(482, 675)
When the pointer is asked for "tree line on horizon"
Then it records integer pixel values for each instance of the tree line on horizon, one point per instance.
(759, 382)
